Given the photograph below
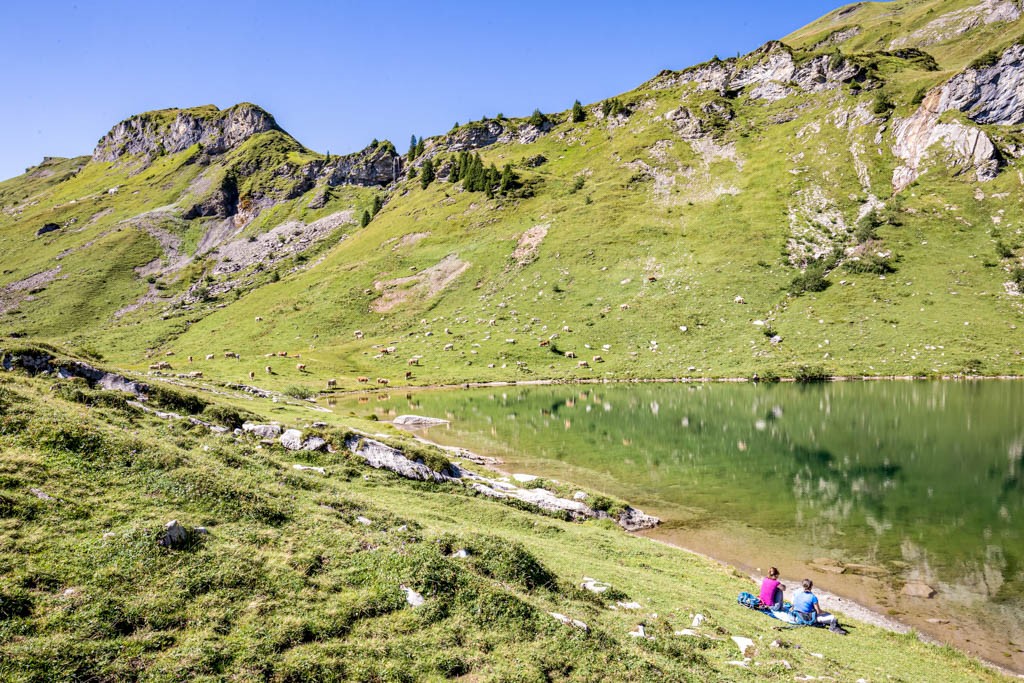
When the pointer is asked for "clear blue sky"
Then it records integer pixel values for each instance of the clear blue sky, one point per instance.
(338, 74)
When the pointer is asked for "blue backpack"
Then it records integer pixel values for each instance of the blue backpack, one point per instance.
(750, 600)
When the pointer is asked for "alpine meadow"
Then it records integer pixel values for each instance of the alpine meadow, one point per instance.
(181, 498)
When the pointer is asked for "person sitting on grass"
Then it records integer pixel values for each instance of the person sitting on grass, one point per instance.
(805, 605)
(772, 591)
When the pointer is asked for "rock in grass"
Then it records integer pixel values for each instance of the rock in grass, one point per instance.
(576, 623)
(412, 597)
(307, 468)
(174, 535)
(293, 441)
(262, 431)
(41, 495)
(743, 644)
(417, 421)
(594, 585)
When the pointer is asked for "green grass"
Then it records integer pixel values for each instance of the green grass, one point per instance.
(288, 585)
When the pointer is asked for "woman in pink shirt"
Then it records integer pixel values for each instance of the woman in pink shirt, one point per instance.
(772, 590)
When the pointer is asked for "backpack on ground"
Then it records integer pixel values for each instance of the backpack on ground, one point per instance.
(750, 600)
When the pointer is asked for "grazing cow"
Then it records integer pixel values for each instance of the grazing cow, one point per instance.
(332, 383)
(252, 375)
(413, 361)
(570, 354)
(545, 342)
(301, 367)
(169, 353)
(652, 278)
(598, 359)
(449, 347)
(230, 354)
(624, 307)
(408, 374)
(282, 354)
(209, 356)
(583, 364)
(259, 318)
(739, 299)
(359, 334)
(362, 380)
(566, 328)
(190, 359)
(381, 380)
(270, 370)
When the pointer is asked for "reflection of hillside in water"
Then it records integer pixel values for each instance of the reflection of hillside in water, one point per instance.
(921, 478)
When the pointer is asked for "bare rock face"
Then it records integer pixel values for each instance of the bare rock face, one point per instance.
(770, 75)
(373, 166)
(217, 131)
(475, 136)
(989, 95)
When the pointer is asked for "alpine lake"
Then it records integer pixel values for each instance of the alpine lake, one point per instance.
(906, 497)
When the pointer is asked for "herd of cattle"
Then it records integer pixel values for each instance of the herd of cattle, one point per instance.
(381, 352)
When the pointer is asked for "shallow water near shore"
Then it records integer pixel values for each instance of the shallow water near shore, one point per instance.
(880, 492)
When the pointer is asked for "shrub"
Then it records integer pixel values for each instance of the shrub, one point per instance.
(300, 392)
(811, 280)
(870, 263)
(986, 60)
(176, 400)
(537, 118)
(577, 184)
(1003, 249)
(882, 104)
(231, 418)
(364, 220)
(613, 107)
(1017, 277)
(806, 374)
(427, 174)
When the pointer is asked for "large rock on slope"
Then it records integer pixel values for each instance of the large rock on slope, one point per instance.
(217, 131)
(988, 95)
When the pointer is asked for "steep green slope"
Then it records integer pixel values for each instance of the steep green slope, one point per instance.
(842, 203)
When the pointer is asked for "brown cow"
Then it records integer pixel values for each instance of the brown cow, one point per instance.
(362, 380)
(301, 367)
(381, 380)
(408, 374)
(332, 383)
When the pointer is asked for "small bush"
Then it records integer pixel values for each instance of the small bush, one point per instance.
(882, 104)
(986, 60)
(537, 118)
(300, 392)
(1003, 249)
(811, 280)
(176, 400)
(231, 418)
(1017, 277)
(806, 374)
(873, 264)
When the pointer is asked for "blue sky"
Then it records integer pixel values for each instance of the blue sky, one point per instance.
(338, 74)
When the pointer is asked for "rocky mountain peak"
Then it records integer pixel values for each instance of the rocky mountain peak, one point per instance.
(168, 131)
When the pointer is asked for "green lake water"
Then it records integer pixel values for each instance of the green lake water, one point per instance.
(901, 482)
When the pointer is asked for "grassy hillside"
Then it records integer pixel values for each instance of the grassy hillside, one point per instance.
(298, 576)
(676, 231)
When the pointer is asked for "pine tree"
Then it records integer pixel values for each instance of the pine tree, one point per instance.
(377, 205)
(364, 220)
(578, 113)
(427, 173)
(537, 118)
(508, 179)
(412, 148)
(419, 147)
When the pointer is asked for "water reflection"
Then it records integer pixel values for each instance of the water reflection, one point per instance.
(922, 479)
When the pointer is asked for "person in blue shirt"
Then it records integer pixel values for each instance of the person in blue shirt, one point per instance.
(806, 604)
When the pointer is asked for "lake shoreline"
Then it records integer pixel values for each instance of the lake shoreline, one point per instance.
(851, 609)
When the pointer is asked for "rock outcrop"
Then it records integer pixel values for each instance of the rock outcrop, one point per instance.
(474, 136)
(769, 73)
(382, 456)
(372, 167)
(151, 134)
(991, 94)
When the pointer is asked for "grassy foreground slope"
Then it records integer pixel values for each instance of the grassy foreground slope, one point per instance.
(299, 576)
